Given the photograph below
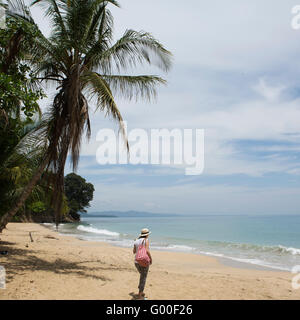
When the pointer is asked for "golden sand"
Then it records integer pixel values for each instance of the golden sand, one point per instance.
(64, 267)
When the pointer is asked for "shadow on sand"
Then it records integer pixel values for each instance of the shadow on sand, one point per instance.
(135, 296)
(19, 260)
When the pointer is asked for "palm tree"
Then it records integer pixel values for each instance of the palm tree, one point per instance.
(20, 160)
(82, 60)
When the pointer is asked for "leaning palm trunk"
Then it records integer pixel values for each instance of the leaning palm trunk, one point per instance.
(25, 194)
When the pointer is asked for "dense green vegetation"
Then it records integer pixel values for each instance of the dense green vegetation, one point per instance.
(19, 118)
(79, 193)
(80, 61)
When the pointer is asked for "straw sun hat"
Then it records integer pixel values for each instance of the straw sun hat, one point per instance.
(144, 232)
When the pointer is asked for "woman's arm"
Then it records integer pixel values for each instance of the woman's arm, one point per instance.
(134, 249)
(148, 250)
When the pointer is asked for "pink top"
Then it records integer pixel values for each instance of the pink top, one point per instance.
(137, 243)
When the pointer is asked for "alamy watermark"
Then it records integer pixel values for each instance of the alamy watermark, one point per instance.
(2, 278)
(182, 147)
(296, 278)
(295, 22)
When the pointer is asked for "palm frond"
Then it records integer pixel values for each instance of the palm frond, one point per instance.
(97, 87)
(18, 9)
(138, 87)
(101, 25)
(54, 11)
(137, 47)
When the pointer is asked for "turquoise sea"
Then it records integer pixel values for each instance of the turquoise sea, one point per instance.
(269, 241)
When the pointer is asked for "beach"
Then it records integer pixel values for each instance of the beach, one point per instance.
(56, 266)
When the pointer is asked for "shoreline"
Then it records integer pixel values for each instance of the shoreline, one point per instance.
(57, 266)
(225, 260)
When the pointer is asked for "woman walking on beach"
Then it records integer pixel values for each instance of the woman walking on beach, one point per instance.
(142, 259)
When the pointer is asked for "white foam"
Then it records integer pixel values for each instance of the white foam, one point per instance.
(180, 247)
(212, 253)
(291, 250)
(98, 231)
(259, 263)
(174, 247)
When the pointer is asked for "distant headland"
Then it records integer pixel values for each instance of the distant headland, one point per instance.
(123, 214)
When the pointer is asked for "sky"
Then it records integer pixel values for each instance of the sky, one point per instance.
(235, 74)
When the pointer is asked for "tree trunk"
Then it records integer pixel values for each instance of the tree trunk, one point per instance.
(26, 192)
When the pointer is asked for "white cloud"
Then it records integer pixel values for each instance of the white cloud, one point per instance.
(268, 117)
(242, 35)
(270, 93)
